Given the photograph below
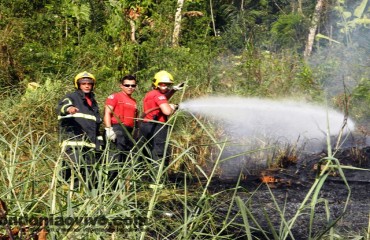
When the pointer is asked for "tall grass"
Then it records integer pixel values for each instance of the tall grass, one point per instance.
(143, 202)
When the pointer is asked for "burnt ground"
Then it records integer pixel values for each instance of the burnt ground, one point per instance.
(290, 185)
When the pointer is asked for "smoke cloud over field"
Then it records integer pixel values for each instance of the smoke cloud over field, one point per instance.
(341, 60)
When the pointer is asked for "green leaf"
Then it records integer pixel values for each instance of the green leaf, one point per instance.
(82, 13)
(359, 11)
(347, 15)
(362, 21)
(321, 36)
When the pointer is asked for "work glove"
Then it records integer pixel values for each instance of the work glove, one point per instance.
(178, 87)
(110, 134)
(174, 106)
(99, 143)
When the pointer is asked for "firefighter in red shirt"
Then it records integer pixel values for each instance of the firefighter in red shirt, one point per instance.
(153, 129)
(119, 117)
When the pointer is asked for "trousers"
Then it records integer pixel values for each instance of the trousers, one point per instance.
(155, 136)
(81, 161)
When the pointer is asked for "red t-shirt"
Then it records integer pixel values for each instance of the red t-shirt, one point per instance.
(152, 100)
(124, 108)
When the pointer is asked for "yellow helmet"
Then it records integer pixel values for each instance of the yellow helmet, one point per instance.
(84, 75)
(162, 77)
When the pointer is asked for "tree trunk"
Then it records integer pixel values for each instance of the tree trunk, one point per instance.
(212, 18)
(312, 31)
(133, 31)
(176, 31)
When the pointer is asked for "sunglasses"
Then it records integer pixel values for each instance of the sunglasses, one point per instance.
(130, 85)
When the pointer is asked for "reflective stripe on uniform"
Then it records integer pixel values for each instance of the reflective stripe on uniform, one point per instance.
(67, 105)
(77, 144)
(78, 115)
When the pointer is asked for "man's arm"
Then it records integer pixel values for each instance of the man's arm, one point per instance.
(108, 116)
(170, 93)
(109, 132)
(167, 108)
(65, 107)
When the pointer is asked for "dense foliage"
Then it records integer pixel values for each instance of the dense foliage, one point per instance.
(233, 47)
(251, 48)
(246, 48)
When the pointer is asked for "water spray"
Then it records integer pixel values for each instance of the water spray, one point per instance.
(253, 121)
(245, 117)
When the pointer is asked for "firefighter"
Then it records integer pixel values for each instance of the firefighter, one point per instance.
(119, 120)
(79, 122)
(157, 109)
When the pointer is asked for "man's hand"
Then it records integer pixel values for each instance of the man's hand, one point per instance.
(178, 87)
(72, 110)
(110, 134)
(174, 107)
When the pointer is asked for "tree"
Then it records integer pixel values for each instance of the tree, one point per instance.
(79, 12)
(312, 30)
(176, 31)
(133, 14)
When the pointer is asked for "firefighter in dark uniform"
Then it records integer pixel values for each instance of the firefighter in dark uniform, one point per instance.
(157, 109)
(79, 119)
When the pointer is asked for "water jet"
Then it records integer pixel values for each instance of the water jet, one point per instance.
(255, 123)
